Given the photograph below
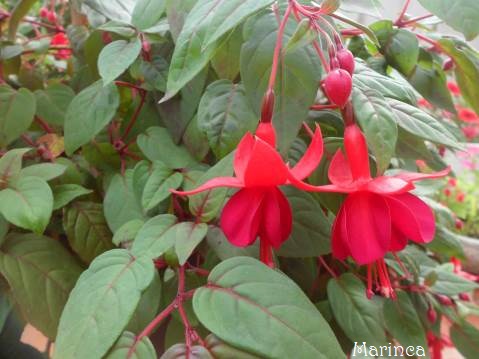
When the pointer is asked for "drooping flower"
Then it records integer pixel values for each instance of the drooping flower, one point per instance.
(259, 208)
(379, 215)
(60, 39)
(467, 115)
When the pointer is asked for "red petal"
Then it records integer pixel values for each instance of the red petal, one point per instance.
(412, 217)
(357, 152)
(267, 133)
(213, 183)
(243, 154)
(398, 240)
(339, 240)
(265, 167)
(415, 176)
(339, 172)
(277, 220)
(326, 188)
(311, 158)
(241, 216)
(369, 226)
(388, 185)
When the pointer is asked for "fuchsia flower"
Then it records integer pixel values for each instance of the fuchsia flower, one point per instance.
(378, 214)
(259, 208)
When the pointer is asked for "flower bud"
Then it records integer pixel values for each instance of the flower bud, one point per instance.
(444, 300)
(431, 315)
(448, 65)
(338, 86)
(44, 12)
(460, 197)
(51, 16)
(346, 60)
(465, 297)
(459, 224)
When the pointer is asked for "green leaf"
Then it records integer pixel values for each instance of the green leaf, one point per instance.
(296, 83)
(448, 283)
(17, 109)
(402, 321)
(158, 185)
(466, 69)
(11, 164)
(399, 46)
(27, 203)
(180, 351)
(120, 204)
(148, 306)
(127, 232)
(118, 27)
(119, 10)
(461, 15)
(421, 124)
(195, 140)
(302, 36)
(206, 205)
(221, 350)
(311, 229)
(65, 193)
(169, 153)
(4, 227)
(101, 304)
(280, 320)
(226, 61)
(127, 347)
(176, 12)
(187, 237)
(357, 25)
(446, 243)
(366, 78)
(147, 13)
(88, 113)
(20, 10)
(116, 57)
(154, 238)
(207, 22)
(465, 338)
(359, 317)
(5, 309)
(86, 230)
(224, 249)
(225, 115)
(52, 103)
(378, 123)
(45, 171)
(41, 274)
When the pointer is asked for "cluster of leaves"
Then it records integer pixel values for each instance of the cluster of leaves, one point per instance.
(156, 95)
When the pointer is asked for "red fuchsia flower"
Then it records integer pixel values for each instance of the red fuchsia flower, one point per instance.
(378, 214)
(452, 182)
(424, 103)
(337, 86)
(470, 132)
(467, 115)
(60, 39)
(453, 88)
(460, 197)
(259, 208)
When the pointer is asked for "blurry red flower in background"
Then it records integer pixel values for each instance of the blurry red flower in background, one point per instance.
(453, 88)
(467, 115)
(60, 39)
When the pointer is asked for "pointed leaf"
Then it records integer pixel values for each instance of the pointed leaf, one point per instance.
(65, 193)
(116, 57)
(187, 237)
(127, 347)
(46, 171)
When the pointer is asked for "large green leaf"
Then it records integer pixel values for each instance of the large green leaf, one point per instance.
(245, 296)
(65, 193)
(311, 229)
(224, 250)
(448, 283)
(205, 24)
(187, 237)
(378, 123)
(359, 317)
(87, 231)
(46, 171)
(466, 69)
(128, 347)
(152, 239)
(221, 350)
(421, 124)
(402, 321)
(53, 102)
(16, 113)
(296, 82)
(147, 13)
(119, 10)
(101, 304)
(41, 274)
(88, 113)
(206, 205)
(158, 185)
(465, 338)
(225, 115)
(120, 204)
(158, 145)
(226, 61)
(11, 164)
(461, 15)
(116, 57)
(27, 203)
(176, 12)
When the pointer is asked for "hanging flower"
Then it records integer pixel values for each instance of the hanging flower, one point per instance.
(60, 39)
(467, 115)
(259, 208)
(379, 214)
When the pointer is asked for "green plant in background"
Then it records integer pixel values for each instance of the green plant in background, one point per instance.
(233, 178)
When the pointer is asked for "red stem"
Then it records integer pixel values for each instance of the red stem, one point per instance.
(135, 115)
(43, 125)
(328, 268)
(403, 12)
(428, 40)
(266, 253)
(414, 20)
(127, 84)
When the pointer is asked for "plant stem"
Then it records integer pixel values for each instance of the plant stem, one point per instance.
(328, 268)
(414, 20)
(403, 12)
(135, 115)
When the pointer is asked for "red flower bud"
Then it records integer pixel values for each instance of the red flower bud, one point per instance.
(44, 12)
(346, 60)
(442, 151)
(431, 315)
(459, 224)
(338, 86)
(444, 300)
(460, 197)
(447, 65)
(465, 297)
(106, 37)
(447, 192)
(52, 17)
(452, 182)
